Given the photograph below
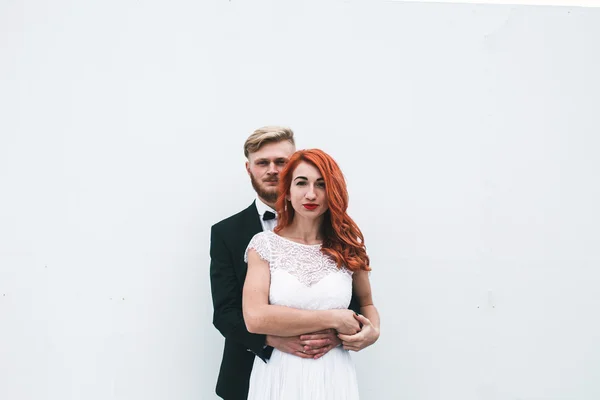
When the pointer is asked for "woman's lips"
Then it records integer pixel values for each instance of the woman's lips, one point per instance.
(310, 206)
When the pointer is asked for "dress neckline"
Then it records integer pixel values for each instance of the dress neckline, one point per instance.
(293, 241)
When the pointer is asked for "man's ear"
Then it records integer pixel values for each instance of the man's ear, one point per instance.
(248, 167)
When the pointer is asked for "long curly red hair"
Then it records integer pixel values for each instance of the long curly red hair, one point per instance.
(342, 239)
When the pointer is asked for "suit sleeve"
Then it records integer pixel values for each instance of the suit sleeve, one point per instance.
(227, 298)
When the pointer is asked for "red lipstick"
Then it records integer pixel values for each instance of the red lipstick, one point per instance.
(310, 206)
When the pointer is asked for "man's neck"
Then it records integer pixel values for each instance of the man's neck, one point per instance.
(272, 205)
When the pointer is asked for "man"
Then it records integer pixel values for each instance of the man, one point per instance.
(267, 151)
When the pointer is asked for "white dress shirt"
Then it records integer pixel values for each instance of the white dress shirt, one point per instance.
(262, 208)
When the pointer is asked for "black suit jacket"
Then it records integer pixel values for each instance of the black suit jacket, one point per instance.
(228, 241)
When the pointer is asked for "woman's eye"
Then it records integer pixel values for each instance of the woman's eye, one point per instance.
(321, 185)
(300, 183)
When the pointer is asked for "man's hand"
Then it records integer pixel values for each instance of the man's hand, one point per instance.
(313, 345)
(319, 343)
(366, 337)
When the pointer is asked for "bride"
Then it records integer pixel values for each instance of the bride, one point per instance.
(301, 278)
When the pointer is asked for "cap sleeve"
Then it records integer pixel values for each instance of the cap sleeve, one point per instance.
(260, 244)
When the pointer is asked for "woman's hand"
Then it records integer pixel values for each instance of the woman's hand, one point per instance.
(345, 323)
(366, 337)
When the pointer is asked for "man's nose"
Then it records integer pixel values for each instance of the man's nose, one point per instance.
(272, 168)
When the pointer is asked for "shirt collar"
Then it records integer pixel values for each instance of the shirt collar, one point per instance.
(262, 207)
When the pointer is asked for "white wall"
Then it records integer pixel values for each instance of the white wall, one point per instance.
(570, 3)
(468, 135)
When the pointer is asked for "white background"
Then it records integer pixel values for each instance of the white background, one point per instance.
(571, 3)
(468, 135)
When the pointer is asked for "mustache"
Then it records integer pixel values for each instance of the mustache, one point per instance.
(271, 180)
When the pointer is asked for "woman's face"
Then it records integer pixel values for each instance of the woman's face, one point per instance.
(307, 193)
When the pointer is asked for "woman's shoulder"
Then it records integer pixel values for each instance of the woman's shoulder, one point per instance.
(264, 236)
(261, 243)
(261, 238)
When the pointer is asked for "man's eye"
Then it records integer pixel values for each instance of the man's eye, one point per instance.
(281, 162)
(262, 163)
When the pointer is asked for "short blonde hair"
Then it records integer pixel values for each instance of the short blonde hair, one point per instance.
(267, 134)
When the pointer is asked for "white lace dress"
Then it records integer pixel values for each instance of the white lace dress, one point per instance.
(303, 277)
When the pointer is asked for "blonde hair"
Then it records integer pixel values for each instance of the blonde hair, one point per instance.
(267, 134)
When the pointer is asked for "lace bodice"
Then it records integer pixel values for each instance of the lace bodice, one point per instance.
(302, 276)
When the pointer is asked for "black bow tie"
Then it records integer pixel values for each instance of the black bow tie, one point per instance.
(268, 215)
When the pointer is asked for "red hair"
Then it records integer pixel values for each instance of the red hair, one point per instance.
(342, 239)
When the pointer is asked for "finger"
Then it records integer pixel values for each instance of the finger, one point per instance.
(349, 331)
(359, 337)
(351, 338)
(302, 354)
(362, 319)
(314, 336)
(351, 346)
(324, 332)
(344, 338)
(356, 345)
(327, 349)
(314, 352)
(296, 349)
(331, 335)
(315, 344)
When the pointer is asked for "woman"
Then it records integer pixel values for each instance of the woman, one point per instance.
(300, 279)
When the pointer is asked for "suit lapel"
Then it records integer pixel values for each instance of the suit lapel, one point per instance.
(250, 226)
(252, 223)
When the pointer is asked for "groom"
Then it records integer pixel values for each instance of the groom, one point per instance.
(267, 151)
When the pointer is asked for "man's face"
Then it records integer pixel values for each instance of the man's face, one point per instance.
(264, 167)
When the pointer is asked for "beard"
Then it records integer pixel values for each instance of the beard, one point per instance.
(268, 194)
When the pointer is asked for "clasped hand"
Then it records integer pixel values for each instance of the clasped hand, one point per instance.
(367, 335)
(348, 333)
(314, 345)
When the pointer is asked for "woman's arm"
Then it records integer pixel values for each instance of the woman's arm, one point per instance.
(369, 318)
(262, 317)
(362, 288)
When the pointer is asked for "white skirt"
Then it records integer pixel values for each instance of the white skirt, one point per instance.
(288, 377)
